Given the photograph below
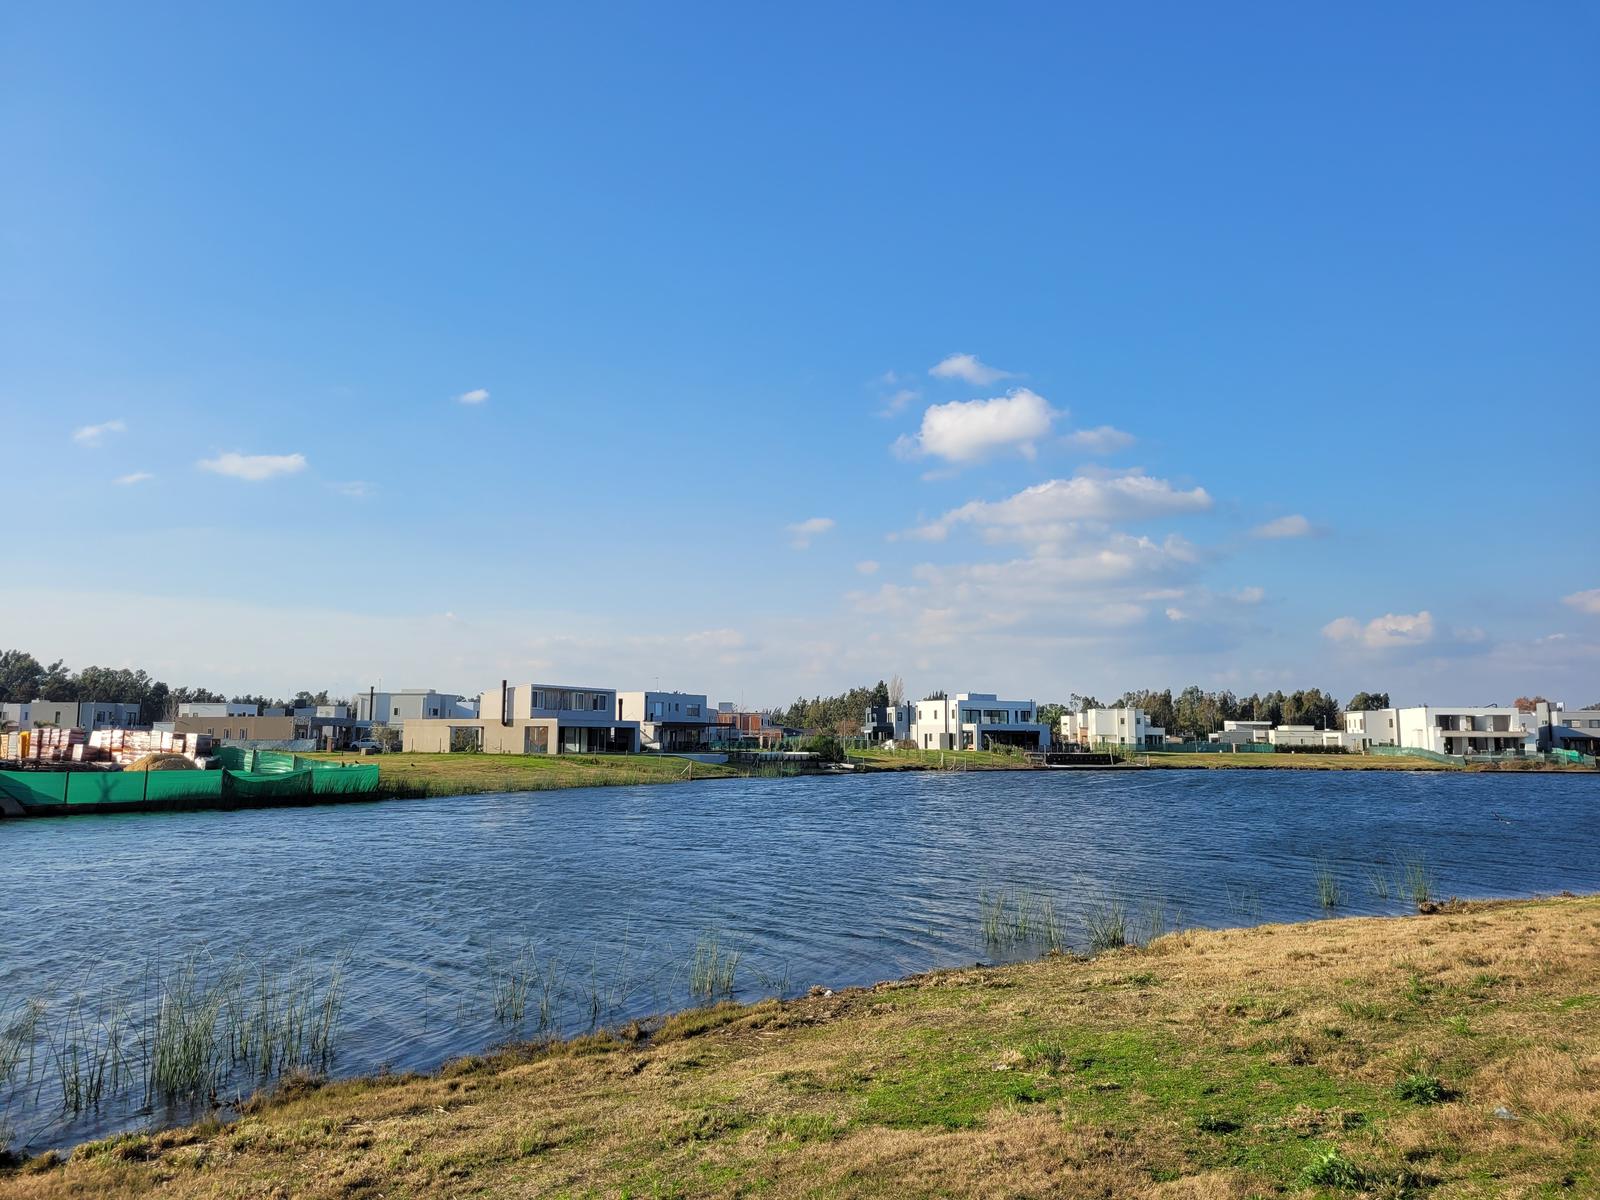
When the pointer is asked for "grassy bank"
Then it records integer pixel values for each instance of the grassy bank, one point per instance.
(416, 775)
(1300, 762)
(880, 759)
(1451, 1055)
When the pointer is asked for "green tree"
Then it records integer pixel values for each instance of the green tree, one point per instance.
(1368, 701)
(20, 676)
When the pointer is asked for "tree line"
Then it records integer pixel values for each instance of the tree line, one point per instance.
(23, 678)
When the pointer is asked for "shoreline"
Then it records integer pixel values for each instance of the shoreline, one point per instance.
(1077, 1039)
(468, 775)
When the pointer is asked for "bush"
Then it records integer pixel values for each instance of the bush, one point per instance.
(1332, 1169)
(1420, 1088)
(825, 748)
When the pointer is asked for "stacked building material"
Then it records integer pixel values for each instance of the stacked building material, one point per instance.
(48, 745)
(127, 746)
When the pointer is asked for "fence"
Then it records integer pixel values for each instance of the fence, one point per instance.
(253, 776)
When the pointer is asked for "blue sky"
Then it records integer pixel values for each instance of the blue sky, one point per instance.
(1268, 340)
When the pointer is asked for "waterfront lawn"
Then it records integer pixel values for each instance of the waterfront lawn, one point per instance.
(462, 774)
(1450, 1055)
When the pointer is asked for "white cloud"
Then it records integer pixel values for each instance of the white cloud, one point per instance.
(1102, 439)
(1584, 602)
(801, 533)
(1249, 595)
(1050, 511)
(968, 369)
(1385, 632)
(133, 477)
(93, 435)
(356, 489)
(867, 566)
(968, 430)
(1294, 526)
(1177, 614)
(897, 402)
(253, 467)
(475, 396)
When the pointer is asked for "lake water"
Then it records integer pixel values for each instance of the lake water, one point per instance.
(433, 908)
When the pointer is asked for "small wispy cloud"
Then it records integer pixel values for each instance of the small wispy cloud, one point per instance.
(356, 489)
(867, 566)
(1584, 602)
(967, 368)
(253, 468)
(93, 435)
(897, 402)
(1293, 526)
(802, 533)
(133, 477)
(1249, 595)
(1102, 439)
(475, 396)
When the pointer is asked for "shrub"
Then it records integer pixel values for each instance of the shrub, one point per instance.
(1332, 1169)
(1421, 1088)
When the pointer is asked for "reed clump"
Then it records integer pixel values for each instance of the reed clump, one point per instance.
(1020, 917)
(712, 968)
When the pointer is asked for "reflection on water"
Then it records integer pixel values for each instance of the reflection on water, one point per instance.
(444, 926)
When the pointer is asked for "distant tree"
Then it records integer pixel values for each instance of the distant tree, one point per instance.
(20, 676)
(880, 694)
(1370, 701)
(1050, 715)
(1527, 704)
(940, 694)
(58, 683)
(897, 691)
(847, 727)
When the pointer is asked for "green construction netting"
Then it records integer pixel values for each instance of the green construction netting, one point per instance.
(52, 788)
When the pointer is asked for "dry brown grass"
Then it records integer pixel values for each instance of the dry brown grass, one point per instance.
(1209, 1066)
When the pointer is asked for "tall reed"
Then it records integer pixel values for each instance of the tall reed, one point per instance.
(711, 970)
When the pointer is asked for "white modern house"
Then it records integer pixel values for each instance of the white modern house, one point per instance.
(406, 704)
(200, 708)
(668, 721)
(1559, 728)
(1112, 727)
(1373, 727)
(69, 714)
(976, 721)
(1309, 737)
(1239, 732)
(1455, 731)
(888, 722)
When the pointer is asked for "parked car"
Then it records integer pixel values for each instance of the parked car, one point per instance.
(367, 746)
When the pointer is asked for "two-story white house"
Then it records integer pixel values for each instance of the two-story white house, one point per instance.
(219, 708)
(407, 704)
(976, 721)
(1454, 731)
(1112, 727)
(668, 721)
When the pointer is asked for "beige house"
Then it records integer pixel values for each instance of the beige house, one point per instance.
(236, 729)
(531, 718)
